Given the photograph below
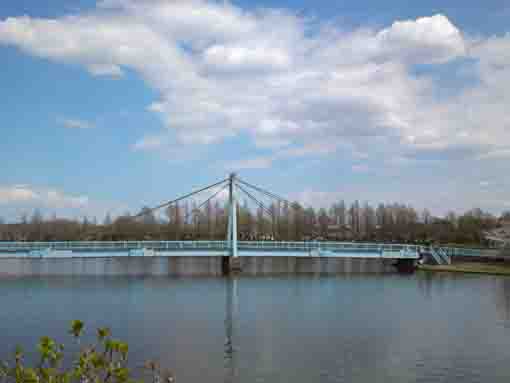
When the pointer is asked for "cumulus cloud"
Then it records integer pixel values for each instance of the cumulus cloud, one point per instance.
(424, 40)
(288, 82)
(242, 58)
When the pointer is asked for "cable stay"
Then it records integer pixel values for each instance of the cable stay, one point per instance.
(205, 202)
(253, 198)
(262, 206)
(231, 182)
(263, 191)
(166, 204)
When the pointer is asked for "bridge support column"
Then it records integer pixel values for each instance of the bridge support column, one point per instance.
(234, 261)
(235, 265)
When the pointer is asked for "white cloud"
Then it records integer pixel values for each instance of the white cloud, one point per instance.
(426, 40)
(57, 199)
(240, 58)
(316, 198)
(30, 196)
(16, 194)
(291, 84)
(252, 163)
(72, 123)
(16, 200)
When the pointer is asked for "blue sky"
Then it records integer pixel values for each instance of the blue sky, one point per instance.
(113, 105)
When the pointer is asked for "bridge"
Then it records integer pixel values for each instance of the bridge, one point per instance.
(231, 254)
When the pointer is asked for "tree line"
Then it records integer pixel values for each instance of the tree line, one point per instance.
(279, 221)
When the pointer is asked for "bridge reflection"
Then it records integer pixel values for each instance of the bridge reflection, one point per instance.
(231, 341)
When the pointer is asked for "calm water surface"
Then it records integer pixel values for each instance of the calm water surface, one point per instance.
(391, 328)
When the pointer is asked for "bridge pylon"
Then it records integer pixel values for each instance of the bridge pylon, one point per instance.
(234, 185)
(232, 216)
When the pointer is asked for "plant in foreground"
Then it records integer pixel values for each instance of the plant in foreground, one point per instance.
(104, 362)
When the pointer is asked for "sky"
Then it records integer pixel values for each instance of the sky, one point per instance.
(111, 105)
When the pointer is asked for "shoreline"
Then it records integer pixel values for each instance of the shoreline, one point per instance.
(470, 268)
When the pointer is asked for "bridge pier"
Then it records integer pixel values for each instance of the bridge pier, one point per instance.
(405, 265)
(235, 265)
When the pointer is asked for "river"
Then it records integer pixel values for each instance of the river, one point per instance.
(357, 328)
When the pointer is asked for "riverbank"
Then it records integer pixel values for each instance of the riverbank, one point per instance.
(470, 267)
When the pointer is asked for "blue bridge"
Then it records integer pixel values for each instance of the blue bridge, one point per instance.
(223, 248)
(213, 257)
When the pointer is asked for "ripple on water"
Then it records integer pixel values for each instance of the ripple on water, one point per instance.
(294, 329)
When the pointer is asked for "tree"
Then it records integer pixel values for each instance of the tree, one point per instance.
(284, 223)
(369, 219)
(177, 221)
(208, 218)
(107, 220)
(380, 214)
(24, 218)
(147, 216)
(219, 221)
(104, 362)
(245, 220)
(354, 218)
(2, 229)
(323, 222)
(340, 213)
(310, 221)
(389, 222)
(426, 216)
(298, 221)
(36, 222)
(451, 217)
(260, 221)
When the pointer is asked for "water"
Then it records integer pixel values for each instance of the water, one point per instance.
(361, 328)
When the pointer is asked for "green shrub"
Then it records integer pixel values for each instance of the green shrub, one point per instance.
(104, 362)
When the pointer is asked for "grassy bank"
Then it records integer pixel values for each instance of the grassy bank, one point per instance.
(471, 267)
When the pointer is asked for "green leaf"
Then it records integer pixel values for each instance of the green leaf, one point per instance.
(65, 378)
(30, 376)
(103, 333)
(98, 361)
(18, 353)
(76, 328)
(123, 348)
(121, 375)
(109, 365)
(47, 373)
(108, 345)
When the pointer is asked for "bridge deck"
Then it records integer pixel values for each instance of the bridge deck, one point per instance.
(218, 248)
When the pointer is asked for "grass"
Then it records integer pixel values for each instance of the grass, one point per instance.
(470, 267)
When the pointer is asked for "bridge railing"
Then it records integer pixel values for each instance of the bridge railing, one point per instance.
(464, 252)
(112, 245)
(177, 245)
(300, 246)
